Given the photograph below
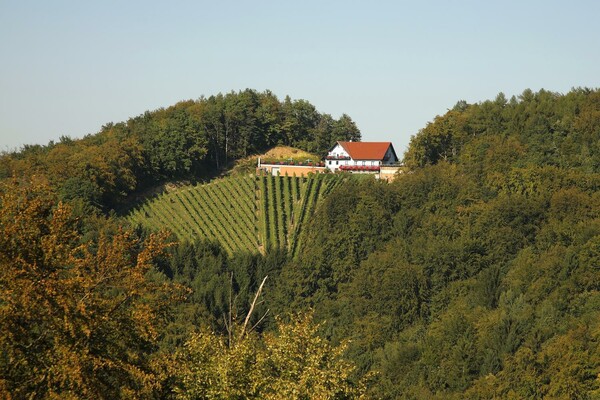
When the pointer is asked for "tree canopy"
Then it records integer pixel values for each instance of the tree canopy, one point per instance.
(475, 274)
(193, 139)
(79, 316)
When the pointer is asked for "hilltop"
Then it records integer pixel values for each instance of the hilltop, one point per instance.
(286, 152)
(474, 275)
(279, 153)
(192, 140)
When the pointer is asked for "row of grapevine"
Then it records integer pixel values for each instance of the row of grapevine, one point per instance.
(243, 213)
(288, 203)
(221, 211)
(317, 187)
(307, 192)
(272, 212)
(287, 200)
(239, 197)
(205, 214)
(216, 215)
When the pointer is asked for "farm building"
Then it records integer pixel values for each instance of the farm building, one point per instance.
(362, 157)
(377, 158)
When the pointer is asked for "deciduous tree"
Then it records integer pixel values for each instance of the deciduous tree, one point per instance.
(78, 319)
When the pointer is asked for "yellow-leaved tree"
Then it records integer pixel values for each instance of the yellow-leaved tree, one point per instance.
(79, 317)
(292, 363)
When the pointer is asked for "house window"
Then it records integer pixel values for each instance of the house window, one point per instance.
(337, 162)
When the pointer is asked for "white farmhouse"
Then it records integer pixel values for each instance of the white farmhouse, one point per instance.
(361, 157)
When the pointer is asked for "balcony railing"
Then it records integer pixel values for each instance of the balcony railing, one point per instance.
(370, 168)
(337, 157)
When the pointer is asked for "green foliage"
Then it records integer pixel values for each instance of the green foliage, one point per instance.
(473, 275)
(190, 140)
(220, 287)
(292, 363)
(476, 274)
(84, 191)
(554, 129)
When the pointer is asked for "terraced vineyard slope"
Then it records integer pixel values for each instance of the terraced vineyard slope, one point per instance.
(243, 213)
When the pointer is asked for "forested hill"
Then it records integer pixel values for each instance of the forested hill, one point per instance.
(191, 140)
(537, 129)
(477, 274)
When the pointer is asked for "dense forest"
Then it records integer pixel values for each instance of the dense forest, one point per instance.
(475, 274)
(190, 140)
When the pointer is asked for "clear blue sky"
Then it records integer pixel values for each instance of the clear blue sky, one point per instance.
(68, 67)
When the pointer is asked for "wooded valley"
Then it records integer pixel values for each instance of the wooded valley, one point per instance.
(475, 274)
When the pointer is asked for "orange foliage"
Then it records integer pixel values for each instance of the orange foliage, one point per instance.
(78, 319)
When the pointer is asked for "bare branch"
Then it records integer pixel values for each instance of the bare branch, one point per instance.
(252, 307)
(259, 321)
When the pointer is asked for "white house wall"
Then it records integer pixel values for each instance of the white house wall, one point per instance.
(339, 151)
(334, 165)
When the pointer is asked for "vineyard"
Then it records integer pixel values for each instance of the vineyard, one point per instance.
(243, 213)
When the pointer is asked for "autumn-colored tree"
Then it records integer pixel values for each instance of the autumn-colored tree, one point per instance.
(78, 319)
(291, 363)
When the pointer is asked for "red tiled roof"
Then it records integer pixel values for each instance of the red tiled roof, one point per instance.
(366, 150)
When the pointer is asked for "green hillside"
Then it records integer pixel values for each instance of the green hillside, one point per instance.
(473, 275)
(242, 213)
(191, 140)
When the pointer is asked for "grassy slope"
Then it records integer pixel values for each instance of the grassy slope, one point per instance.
(248, 164)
